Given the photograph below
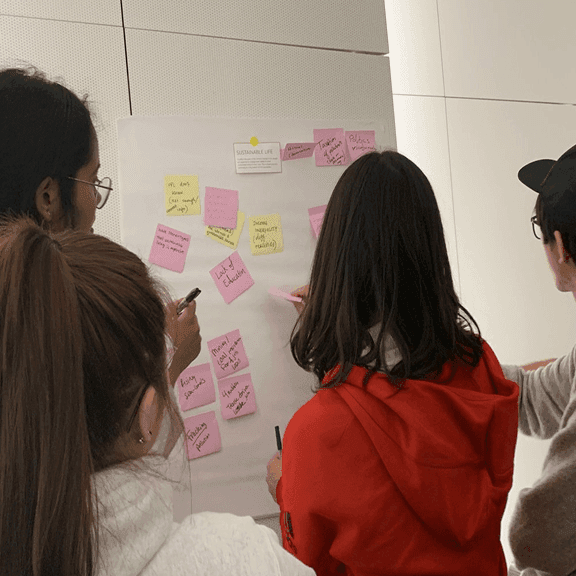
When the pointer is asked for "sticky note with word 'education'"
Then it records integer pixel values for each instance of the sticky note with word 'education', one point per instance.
(237, 396)
(231, 277)
(359, 142)
(265, 234)
(227, 236)
(196, 387)
(228, 354)
(202, 435)
(316, 216)
(169, 248)
(182, 195)
(220, 207)
(295, 151)
(330, 147)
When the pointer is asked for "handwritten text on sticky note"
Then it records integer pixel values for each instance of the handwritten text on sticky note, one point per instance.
(202, 435)
(182, 195)
(231, 277)
(265, 234)
(237, 396)
(227, 236)
(359, 142)
(295, 151)
(330, 147)
(196, 387)
(169, 248)
(228, 354)
(316, 216)
(220, 207)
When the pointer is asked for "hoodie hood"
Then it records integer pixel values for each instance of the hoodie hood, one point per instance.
(442, 442)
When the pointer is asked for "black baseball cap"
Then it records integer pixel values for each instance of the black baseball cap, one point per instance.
(555, 181)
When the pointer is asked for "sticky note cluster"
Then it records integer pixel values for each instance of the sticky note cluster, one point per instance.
(265, 234)
(182, 195)
(231, 277)
(220, 207)
(227, 236)
(169, 248)
(227, 354)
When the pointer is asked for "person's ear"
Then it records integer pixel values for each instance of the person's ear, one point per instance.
(47, 200)
(564, 256)
(149, 414)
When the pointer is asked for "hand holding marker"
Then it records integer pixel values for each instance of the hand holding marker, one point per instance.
(187, 300)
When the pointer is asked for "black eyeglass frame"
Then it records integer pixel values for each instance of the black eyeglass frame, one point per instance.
(98, 184)
(133, 417)
(534, 221)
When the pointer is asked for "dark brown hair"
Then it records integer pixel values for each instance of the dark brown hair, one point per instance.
(82, 333)
(548, 226)
(381, 258)
(45, 130)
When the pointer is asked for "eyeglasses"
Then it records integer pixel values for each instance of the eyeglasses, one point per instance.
(137, 407)
(534, 221)
(105, 185)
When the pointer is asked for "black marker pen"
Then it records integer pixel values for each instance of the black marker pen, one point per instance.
(187, 300)
(278, 439)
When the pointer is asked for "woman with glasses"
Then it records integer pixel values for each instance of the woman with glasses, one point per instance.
(82, 335)
(49, 158)
(49, 162)
(543, 526)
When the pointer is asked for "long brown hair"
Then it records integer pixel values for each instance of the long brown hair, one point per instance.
(381, 259)
(81, 333)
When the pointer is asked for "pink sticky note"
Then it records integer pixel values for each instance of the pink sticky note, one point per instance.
(220, 207)
(237, 396)
(359, 142)
(298, 150)
(231, 277)
(330, 147)
(202, 435)
(169, 248)
(282, 294)
(196, 387)
(228, 354)
(316, 216)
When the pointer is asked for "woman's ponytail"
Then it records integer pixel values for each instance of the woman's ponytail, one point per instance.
(46, 519)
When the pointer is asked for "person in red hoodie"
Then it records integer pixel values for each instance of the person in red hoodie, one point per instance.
(402, 461)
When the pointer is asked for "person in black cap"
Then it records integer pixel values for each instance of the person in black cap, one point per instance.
(543, 526)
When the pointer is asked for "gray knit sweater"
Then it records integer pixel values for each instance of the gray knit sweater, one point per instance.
(543, 526)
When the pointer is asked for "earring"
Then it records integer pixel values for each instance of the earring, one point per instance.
(141, 441)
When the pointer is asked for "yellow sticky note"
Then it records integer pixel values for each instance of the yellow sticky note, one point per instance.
(182, 195)
(266, 234)
(227, 236)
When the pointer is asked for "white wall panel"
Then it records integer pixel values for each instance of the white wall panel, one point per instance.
(93, 12)
(359, 25)
(419, 120)
(513, 50)
(414, 43)
(89, 60)
(504, 274)
(215, 77)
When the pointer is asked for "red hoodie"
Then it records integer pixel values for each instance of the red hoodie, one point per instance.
(409, 482)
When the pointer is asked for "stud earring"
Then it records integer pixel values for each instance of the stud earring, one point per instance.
(141, 441)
